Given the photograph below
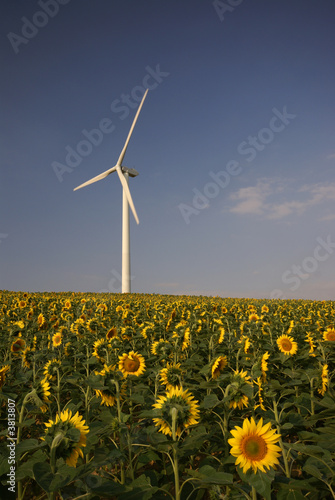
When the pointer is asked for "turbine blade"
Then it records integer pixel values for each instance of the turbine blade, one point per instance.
(123, 152)
(127, 192)
(97, 178)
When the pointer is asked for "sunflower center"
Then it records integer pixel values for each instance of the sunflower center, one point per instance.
(131, 365)
(331, 336)
(254, 447)
(286, 344)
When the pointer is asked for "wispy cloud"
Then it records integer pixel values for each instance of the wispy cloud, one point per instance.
(261, 199)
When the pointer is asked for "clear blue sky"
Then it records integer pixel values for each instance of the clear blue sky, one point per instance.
(234, 146)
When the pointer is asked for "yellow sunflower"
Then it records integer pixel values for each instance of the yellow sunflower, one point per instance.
(171, 375)
(108, 395)
(100, 348)
(221, 337)
(57, 339)
(238, 398)
(187, 411)
(219, 364)
(27, 357)
(50, 368)
(253, 317)
(67, 448)
(329, 335)
(161, 348)
(324, 380)
(254, 445)
(287, 345)
(132, 364)
(264, 364)
(3, 372)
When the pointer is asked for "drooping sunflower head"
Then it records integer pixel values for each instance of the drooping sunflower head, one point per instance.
(74, 431)
(254, 445)
(43, 390)
(3, 371)
(264, 364)
(112, 333)
(111, 382)
(239, 382)
(287, 345)
(132, 364)
(18, 345)
(161, 348)
(219, 364)
(171, 375)
(100, 349)
(187, 411)
(28, 356)
(50, 369)
(324, 380)
(329, 335)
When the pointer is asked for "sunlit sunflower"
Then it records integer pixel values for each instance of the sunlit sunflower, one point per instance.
(187, 411)
(264, 364)
(3, 372)
(57, 339)
(132, 364)
(260, 394)
(171, 375)
(254, 445)
(186, 340)
(41, 320)
(219, 364)
(253, 317)
(324, 380)
(221, 337)
(18, 345)
(287, 345)
(22, 304)
(240, 401)
(265, 309)
(50, 369)
(43, 392)
(68, 449)
(329, 335)
(309, 339)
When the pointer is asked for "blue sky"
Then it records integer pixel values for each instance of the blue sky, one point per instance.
(234, 146)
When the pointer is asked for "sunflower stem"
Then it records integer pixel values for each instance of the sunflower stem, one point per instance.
(312, 397)
(280, 442)
(174, 413)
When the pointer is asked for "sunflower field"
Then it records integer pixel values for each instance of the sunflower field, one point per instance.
(142, 396)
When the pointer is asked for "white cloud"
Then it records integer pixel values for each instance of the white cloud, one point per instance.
(259, 199)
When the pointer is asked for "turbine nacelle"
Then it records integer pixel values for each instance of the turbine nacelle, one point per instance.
(130, 171)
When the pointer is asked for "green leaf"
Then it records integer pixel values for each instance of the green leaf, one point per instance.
(261, 481)
(208, 475)
(209, 401)
(312, 470)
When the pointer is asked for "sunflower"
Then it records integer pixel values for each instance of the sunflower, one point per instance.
(22, 304)
(18, 345)
(264, 364)
(41, 320)
(100, 348)
(108, 396)
(238, 398)
(3, 372)
(324, 380)
(161, 348)
(57, 339)
(171, 375)
(187, 411)
(111, 333)
(50, 368)
(253, 317)
(287, 345)
(186, 340)
(310, 341)
(69, 349)
(329, 334)
(221, 337)
(43, 392)
(132, 364)
(219, 364)
(27, 357)
(260, 396)
(68, 448)
(265, 309)
(254, 445)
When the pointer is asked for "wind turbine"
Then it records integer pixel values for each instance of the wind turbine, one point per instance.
(123, 173)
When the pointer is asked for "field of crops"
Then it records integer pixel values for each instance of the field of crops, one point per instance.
(109, 396)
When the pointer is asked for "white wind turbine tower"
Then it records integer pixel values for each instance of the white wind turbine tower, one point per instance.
(123, 173)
